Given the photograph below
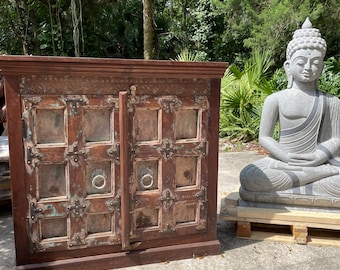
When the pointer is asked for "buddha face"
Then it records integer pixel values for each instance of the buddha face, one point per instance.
(305, 65)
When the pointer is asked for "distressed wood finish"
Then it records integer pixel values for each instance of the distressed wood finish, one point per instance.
(112, 156)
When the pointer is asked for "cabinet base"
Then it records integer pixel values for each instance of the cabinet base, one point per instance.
(125, 259)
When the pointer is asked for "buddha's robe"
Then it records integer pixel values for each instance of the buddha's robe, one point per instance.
(272, 175)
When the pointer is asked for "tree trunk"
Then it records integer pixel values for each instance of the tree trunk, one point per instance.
(22, 26)
(148, 29)
(76, 20)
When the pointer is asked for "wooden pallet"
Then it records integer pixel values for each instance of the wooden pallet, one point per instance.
(301, 227)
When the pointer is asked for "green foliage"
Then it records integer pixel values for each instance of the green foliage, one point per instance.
(114, 29)
(330, 78)
(184, 30)
(214, 29)
(276, 22)
(233, 22)
(187, 56)
(189, 25)
(242, 95)
(107, 28)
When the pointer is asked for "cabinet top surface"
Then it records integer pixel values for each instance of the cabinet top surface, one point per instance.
(53, 65)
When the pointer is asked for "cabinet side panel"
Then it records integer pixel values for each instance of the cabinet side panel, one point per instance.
(19, 202)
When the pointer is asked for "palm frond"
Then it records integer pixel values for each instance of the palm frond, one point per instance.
(186, 56)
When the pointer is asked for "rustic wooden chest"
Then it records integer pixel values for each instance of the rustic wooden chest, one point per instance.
(113, 162)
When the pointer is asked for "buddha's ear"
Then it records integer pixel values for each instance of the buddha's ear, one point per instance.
(286, 66)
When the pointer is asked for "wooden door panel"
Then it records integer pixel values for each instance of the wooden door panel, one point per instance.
(185, 213)
(146, 121)
(175, 157)
(59, 226)
(49, 119)
(147, 174)
(72, 167)
(53, 118)
(52, 181)
(186, 124)
(186, 171)
(99, 178)
(97, 124)
(147, 218)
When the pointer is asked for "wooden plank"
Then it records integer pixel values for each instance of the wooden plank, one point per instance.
(271, 236)
(300, 233)
(229, 203)
(243, 229)
(281, 216)
(288, 238)
(280, 222)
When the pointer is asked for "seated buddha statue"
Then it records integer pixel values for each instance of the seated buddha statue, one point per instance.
(304, 161)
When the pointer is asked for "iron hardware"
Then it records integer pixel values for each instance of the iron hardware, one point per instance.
(146, 180)
(77, 241)
(167, 198)
(168, 229)
(75, 152)
(37, 247)
(202, 195)
(30, 155)
(167, 149)
(202, 148)
(31, 102)
(202, 101)
(114, 203)
(170, 104)
(114, 152)
(77, 208)
(75, 100)
(34, 211)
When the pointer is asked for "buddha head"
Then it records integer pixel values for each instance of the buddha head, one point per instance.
(305, 54)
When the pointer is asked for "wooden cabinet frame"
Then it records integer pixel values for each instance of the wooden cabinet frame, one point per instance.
(113, 162)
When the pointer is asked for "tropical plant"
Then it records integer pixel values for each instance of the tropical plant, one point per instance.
(330, 78)
(187, 56)
(242, 95)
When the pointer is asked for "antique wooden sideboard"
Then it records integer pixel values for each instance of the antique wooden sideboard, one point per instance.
(113, 162)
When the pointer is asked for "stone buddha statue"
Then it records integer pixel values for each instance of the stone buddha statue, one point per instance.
(304, 164)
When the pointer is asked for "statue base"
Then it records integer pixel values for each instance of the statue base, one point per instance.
(285, 223)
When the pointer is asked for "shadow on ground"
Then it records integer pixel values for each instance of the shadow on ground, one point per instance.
(7, 249)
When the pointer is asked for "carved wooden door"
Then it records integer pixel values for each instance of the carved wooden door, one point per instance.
(72, 166)
(78, 183)
(169, 166)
